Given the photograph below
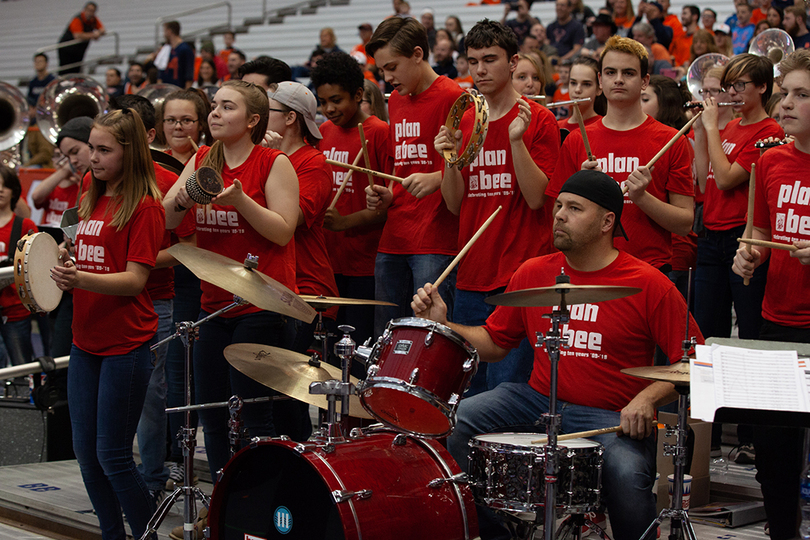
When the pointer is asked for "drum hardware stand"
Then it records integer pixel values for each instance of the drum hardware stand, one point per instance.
(188, 332)
(334, 428)
(679, 518)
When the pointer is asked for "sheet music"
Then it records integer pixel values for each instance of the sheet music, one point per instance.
(723, 376)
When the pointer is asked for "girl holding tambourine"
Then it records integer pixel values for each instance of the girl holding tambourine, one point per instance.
(256, 213)
(117, 243)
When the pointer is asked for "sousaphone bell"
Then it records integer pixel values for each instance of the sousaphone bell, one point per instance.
(774, 44)
(65, 99)
(697, 71)
(13, 124)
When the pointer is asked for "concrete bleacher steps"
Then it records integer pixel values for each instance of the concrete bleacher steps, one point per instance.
(26, 25)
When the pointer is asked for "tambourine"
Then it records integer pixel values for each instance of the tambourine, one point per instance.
(480, 127)
(36, 254)
(204, 184)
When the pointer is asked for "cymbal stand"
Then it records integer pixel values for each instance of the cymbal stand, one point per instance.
(188, 332)
(333, 430)
(678, 517)
(554, 341)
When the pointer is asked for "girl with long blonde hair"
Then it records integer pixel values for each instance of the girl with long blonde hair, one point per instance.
(256, 213)
(117, 242)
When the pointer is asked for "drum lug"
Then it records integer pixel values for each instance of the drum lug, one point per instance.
(373, 370)
(460, 478)
(414, 376)
(400, 440)
(385, 339)
(453, 400)
(284, 438)
(468, 365)
(429, 338)
(304, 447)
(341, 495)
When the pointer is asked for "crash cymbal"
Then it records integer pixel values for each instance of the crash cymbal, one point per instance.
(251, 285)
(550, 296)
(166, 161)
(677, 374)
(326, 302)
(288, 372)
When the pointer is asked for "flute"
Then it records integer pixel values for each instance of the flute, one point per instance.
(699, 104)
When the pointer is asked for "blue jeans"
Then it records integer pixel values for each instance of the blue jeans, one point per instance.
(186, 307)
(105, 396)
(629, 465)
(717, 287)
(17, 338)
(152, 426)
(471, 310)
(62, 339)
(398, 277)
(215, 380)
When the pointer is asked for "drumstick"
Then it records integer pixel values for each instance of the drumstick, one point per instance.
(749, 225)
(466, 248)
(364, 143)
(365, 170)
(582, 434)
(581, 122)
(345, 180)
(667, 146)
(765, 243)
(193, 144)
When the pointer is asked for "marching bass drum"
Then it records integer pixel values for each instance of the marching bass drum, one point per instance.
(372, 487)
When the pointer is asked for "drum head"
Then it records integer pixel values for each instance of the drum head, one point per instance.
(40, 255)
(406, 409)
(524, 440)
(271, 491)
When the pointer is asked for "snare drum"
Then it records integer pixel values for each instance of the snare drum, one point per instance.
(507, 471)
(36, 255)
(418, 371)
(372, 487)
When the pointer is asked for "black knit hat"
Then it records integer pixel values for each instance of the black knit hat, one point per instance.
(600, 188)
(76, 128)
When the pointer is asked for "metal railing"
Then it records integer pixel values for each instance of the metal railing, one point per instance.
(290, 9)
(116, 54)
(160, 20)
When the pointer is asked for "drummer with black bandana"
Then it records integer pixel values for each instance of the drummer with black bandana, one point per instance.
(604, 338)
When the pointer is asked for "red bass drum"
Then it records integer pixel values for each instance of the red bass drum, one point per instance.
(374, 486)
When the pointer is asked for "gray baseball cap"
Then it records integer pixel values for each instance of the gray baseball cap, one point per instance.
(297, 97)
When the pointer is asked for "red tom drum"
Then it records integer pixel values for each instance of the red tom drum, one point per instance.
(418, 371)
(374, 487)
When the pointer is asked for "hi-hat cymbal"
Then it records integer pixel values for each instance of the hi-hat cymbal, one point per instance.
(550, 296)
(326, 302)
(288, 372)
(677, 373)
(251, 285)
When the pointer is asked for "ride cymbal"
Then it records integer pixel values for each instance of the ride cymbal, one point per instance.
(677, 373)
(251, 285)
(550, 296)
(288, 372)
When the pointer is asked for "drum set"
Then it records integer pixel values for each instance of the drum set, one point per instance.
(393, 479)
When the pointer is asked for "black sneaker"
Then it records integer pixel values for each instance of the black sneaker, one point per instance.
(743, 454)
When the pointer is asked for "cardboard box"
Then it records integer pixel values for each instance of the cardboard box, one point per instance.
(700, 461)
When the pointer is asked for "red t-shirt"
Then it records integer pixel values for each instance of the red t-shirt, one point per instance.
(684, 248)
(313, 273)
(619, 153)
(221, 229)
(782, 204)
(604, 338)
(12, 307)
(106, 324)
(419, 226)
(353, 252)
(724, 210)
(465, 83)
(161, 280)
(58, 201)
(566, 124)
(490, 181)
